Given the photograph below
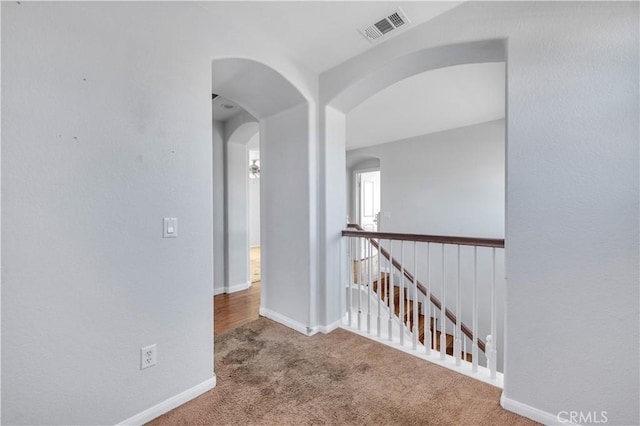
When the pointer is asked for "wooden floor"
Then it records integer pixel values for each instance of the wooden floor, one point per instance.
(233, 310)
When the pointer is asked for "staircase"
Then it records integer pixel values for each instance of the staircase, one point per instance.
(373, 270)
(408, 316)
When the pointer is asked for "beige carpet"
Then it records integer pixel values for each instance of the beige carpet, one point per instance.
(268, 374)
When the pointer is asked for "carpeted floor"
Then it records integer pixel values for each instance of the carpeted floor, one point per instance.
(268, 374)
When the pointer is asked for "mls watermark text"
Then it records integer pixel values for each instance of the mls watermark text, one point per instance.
(582, 417)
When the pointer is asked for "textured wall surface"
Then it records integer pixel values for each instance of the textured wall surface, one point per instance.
(107, 128)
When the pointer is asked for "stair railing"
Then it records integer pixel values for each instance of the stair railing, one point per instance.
(369, 259)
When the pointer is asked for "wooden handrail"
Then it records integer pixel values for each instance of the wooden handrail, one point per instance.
(440, 239)
(430, 239)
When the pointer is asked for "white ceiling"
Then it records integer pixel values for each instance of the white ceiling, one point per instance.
(326, 33)
(221, 113)
(430, 102)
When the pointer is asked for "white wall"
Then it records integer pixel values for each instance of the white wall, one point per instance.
(285, 218)
(97, 150)
(237, 216)
(0, 226)
(446, 183)
(572, 194)
(219, 258)
(333, 204)
(106, 130)
(254, 212)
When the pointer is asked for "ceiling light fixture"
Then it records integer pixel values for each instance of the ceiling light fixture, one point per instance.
(254, 169)
(227, 106)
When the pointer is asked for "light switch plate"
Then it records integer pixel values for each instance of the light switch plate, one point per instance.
(170, 227)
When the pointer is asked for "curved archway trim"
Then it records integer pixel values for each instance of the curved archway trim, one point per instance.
(342, 98)
(260, 89)
(416, 63)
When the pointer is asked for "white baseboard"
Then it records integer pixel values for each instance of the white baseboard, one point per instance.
(238, 287)
(286, 321)
(298, 326)
(328, 328)
(232, 289)
(532, 413)
(171, 403)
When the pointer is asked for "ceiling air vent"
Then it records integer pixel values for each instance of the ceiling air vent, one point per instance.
(385, 25)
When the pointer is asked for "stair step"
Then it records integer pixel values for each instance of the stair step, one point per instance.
(408, 315)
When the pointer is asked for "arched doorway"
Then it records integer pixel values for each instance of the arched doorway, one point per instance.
(287, 208)
(340, 98)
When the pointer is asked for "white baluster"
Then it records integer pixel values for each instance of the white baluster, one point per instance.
(407, 309)
(392, 291)
(401, 301)
(434, 336)
(443, 322)
(379, 293)
(369, 267)
(458, 340)
(474, 340)
(415, 296)
(494, 361)
(386, 278)
(464, 349)
(349, 276)
(491, 354)
(360, 273)
(427, 313)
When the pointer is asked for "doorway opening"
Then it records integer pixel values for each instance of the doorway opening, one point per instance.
(254, 211)
(368, 207)
(236, 149)
(273, 107)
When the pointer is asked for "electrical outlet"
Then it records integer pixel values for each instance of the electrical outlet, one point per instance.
(147, 356)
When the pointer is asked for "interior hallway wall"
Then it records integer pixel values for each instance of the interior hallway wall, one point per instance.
(254, 212)
(107, 128)
(237, 216)
(219, 257)
(445, 183)
(285, 240)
